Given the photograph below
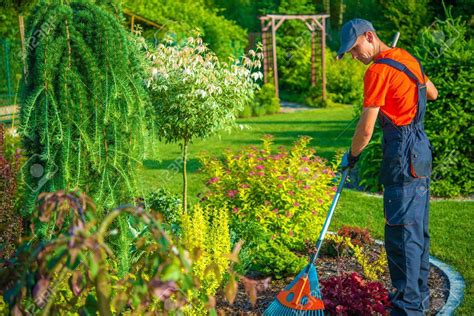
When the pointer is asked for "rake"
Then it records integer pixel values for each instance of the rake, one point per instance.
(303, 296)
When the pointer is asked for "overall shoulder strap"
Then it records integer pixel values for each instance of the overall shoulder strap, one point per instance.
(421, 68)
(399, 66)
(421, 85)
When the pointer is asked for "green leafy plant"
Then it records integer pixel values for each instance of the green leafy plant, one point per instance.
(345, 79)
(169, 206)
(373, 266)
(369, 164)
(265, 102)
(313, 97)
(396, 13)
(278, 200)
(444, 50)
(195, 95)
(77, 270)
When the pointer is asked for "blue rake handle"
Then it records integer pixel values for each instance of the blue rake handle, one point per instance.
(329, 217)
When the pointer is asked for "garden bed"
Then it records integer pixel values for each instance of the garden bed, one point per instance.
(329, 266)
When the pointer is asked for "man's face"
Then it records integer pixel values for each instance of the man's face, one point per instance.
(364, 48)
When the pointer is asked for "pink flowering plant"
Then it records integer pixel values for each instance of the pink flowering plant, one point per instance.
(278, 201)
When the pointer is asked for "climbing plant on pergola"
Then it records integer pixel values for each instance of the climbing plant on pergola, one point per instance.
(270, 24)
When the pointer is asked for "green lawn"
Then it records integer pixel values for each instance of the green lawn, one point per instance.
(331, 129)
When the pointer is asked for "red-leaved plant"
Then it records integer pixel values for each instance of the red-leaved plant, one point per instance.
(350, 294)
(10, 221)
(359, 236)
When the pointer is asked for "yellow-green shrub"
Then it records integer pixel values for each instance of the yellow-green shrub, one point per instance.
(373, 267)
(206, 236)
(278, 200)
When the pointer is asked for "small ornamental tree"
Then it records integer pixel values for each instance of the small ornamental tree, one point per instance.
(196, 95)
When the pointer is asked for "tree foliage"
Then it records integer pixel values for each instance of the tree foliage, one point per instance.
(397, 11)
(180, 18)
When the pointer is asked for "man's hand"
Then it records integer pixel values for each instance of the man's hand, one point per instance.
(348, 161)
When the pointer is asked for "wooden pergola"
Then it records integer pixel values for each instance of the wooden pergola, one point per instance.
(134, 16)
(270, 24)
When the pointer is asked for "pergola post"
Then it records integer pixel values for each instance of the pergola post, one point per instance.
(265, 53)
(21, 24)
(313, 57)
(275, 69)
(323, 56)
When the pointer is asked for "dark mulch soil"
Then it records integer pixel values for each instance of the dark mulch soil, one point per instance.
(329, 266)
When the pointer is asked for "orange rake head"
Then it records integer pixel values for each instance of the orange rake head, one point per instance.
(300, 297)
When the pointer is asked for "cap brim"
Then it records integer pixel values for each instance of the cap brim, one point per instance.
(345, 48)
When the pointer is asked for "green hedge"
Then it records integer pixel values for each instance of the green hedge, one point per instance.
(265, 102)
(445, 50)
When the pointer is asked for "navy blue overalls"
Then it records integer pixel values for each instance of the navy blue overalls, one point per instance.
(405, 172)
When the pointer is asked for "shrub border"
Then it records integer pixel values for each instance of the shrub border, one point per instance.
(456, 286)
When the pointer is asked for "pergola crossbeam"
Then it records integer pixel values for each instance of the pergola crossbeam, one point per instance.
(270, 24)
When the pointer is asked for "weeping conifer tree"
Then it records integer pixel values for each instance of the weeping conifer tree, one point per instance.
(84, 103)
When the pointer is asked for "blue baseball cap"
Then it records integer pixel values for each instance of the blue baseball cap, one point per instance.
(350, 32)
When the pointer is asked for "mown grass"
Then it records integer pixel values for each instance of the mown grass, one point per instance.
(331, 130)
(451, 224)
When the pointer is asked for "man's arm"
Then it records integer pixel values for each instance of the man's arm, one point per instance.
(431, 91)
(364, 129)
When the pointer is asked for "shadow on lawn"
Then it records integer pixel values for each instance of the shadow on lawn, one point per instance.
(172, 165)
(339, 123)
(326, 142)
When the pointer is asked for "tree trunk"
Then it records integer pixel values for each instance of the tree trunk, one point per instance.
(185, 178)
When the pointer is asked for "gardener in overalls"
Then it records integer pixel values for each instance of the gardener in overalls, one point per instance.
(395, 92)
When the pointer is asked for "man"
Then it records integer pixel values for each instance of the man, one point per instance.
(395, 92)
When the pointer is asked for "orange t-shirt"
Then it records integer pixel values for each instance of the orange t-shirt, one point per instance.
(392, 90)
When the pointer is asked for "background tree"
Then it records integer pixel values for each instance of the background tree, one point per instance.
(196, 95)
(180, 18)
(397, 11)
